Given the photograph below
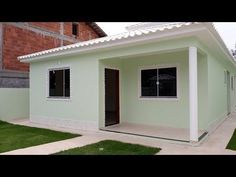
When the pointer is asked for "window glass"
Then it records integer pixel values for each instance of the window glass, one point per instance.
(149, 82)
(56, 83)
(160, 82)
(167, 82)
(59, 83)
(67, 82)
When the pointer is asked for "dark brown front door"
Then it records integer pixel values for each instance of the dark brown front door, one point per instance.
(112, 109)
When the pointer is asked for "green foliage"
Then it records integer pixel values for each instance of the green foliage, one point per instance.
(17, 136)
(110, 147)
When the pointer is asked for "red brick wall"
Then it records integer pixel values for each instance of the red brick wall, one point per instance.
(52, 26)
(86, 32)
(68, 29)
(17, 41)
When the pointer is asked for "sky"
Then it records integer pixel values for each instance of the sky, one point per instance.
(227, 30)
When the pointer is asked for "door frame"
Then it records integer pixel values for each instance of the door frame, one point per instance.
(119, 79)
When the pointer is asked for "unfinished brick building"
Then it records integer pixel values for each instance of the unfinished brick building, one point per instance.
(22, 38)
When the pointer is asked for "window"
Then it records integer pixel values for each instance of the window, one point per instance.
(59, 83)
(160, 82)
(75, 29)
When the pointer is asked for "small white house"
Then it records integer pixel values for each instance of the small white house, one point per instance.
(166, 80)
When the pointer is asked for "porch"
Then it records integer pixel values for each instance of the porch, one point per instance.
(159, 132)
(171, 105)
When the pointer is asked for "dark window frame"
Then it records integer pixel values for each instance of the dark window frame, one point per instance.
(64, 96)
(158, 97)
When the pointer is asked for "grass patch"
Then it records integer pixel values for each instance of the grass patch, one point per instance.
(232, 143)
(17, 136)
(110, 147)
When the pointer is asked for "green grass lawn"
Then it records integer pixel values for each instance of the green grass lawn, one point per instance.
(17, 136)
(232, 143)
(110, 147)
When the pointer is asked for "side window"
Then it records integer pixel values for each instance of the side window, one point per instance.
(59, 83)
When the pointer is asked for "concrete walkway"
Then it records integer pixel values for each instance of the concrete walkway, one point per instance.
(214, 144)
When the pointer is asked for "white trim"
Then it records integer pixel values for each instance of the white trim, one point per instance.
(157, 99)
(66, 123)
(113, 68)
(58, 99)
(193, 94)
(109, 67)
(158, 66)
(57, 67)
(215, 35)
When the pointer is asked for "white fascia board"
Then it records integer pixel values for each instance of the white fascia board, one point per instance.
(218, 40)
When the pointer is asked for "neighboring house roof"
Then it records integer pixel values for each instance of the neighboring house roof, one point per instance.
(96, 28)
(161, 31)
(143, 25)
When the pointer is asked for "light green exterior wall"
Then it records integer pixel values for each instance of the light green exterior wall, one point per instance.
(156, 112)
(82, 108)
(87, 105)
(217, 88)
(14, 103)
(202, 91)
(165, 112)
(215, 93)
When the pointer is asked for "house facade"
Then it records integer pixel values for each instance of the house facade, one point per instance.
(160, 75)
(21, 38)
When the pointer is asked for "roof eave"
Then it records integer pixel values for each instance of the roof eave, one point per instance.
(97, 28)
(137, 40)
(220, 42)
(113, 44)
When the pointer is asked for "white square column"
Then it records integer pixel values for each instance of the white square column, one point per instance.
(193, 94)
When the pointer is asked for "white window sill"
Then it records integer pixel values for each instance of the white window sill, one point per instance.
(58, 98)
(159, 98)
